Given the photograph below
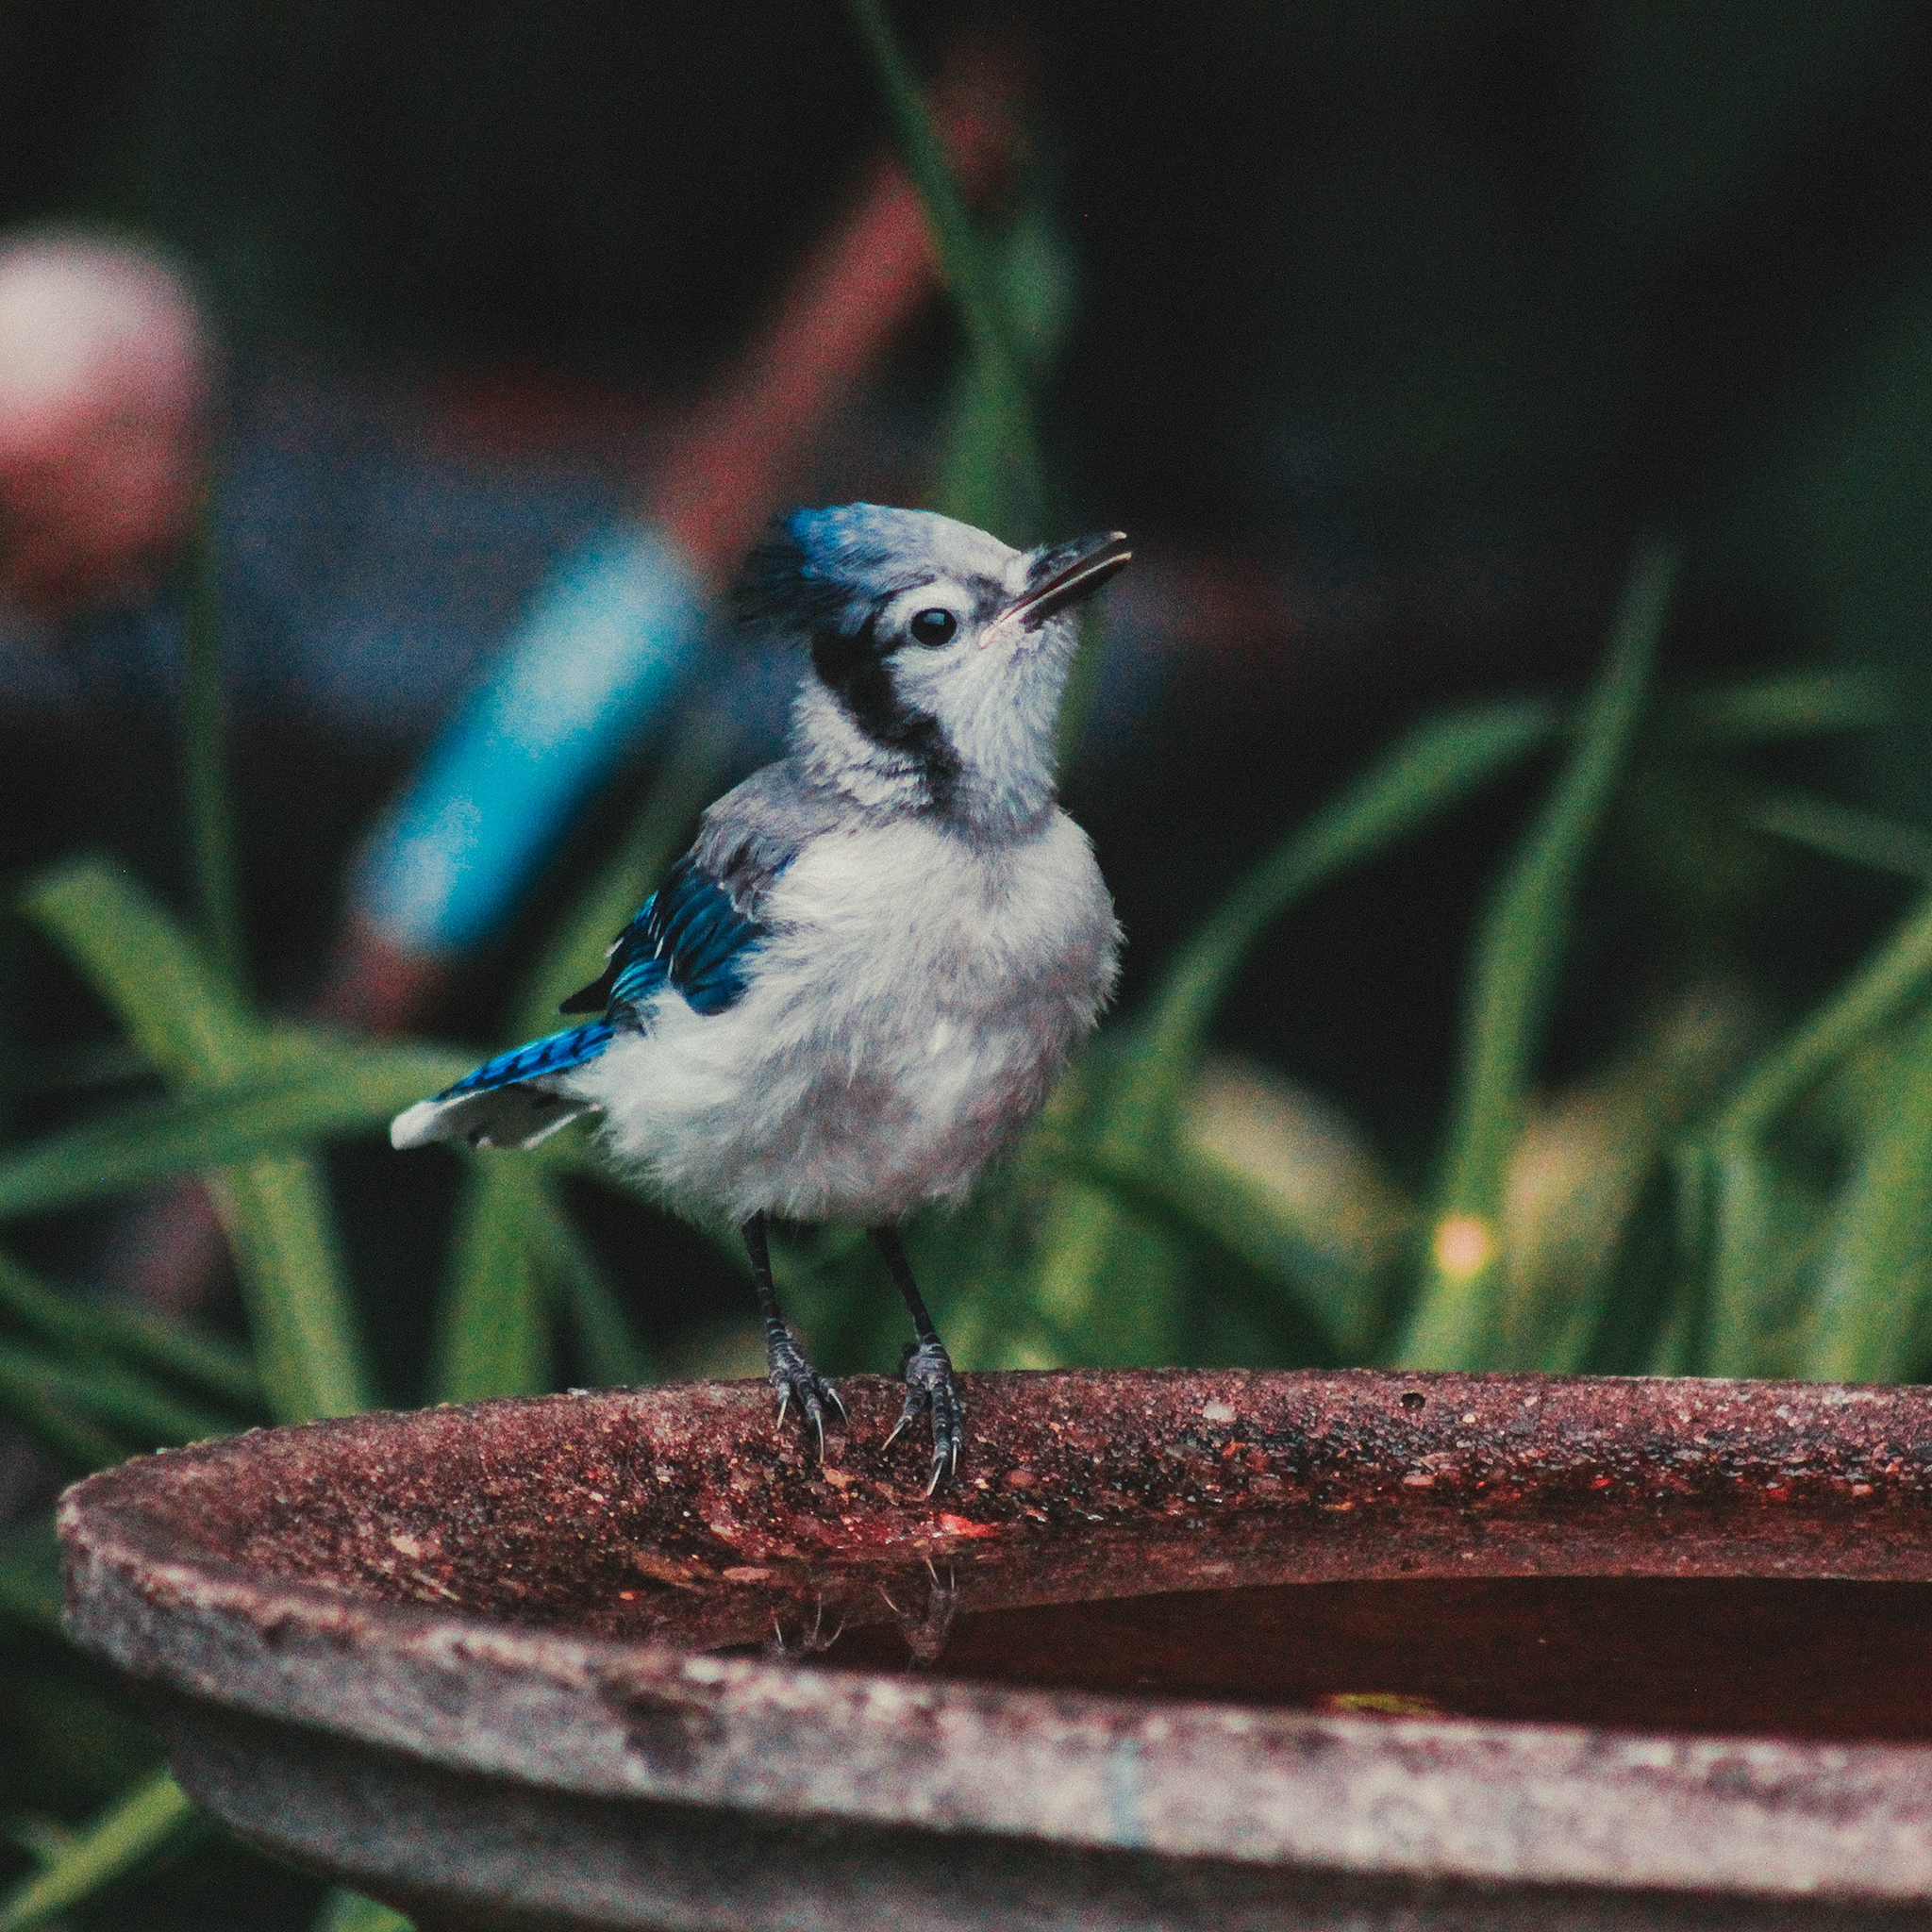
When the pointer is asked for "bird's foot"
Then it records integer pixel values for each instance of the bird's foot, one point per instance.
(929, 1385)
(796, 1380)
(809, 1641)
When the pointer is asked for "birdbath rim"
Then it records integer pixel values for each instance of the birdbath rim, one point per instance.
(401, 1583)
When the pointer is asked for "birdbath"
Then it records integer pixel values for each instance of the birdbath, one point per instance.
(1182, 1650)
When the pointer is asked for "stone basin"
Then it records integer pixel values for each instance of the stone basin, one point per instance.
(1182, 1650)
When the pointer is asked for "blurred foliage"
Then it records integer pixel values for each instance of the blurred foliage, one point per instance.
(1726, 1187)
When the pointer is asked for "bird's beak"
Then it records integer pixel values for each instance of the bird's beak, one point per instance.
(1066, 574)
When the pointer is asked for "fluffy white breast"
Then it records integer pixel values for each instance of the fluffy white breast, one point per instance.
(905, 1018)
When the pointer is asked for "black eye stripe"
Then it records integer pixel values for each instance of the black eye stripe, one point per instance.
(859, 673)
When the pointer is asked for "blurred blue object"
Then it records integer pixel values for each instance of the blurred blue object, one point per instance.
(599, 655)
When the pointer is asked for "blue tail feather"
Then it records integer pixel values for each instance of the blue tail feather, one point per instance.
(555, 1054)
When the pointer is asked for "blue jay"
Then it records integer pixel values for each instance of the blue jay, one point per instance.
(861, 979)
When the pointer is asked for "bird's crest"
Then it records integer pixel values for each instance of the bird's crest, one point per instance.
(822, 569)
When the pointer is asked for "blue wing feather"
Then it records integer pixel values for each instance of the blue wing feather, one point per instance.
(690, 936)
(556, 1054)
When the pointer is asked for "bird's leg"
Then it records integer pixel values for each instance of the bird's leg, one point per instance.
(787, 1369)
(927, 1367)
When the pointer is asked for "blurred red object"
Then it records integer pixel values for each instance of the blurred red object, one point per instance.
(106, 373)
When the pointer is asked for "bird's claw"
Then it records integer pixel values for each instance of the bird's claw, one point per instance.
(809, 1641)
(930, 1386)
(926, 1635)
(793, 1376)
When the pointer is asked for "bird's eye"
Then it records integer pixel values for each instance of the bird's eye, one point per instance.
(933, 628)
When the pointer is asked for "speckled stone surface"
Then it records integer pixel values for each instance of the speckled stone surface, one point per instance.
(557, 1662)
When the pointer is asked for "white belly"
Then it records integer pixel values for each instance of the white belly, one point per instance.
(905, 1020)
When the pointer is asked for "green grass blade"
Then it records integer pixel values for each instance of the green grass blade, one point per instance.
(514, 1353)
(978, 480)
(1128, 1125)
(277, 1210)
(1836, 830)
(1426, 773)
(1895, 975)
(1591, 1256)
(981, 481)
(1871, 1319)
(1746, 1257)
(282, 1228)
(994, 474)
(90, 1327)
(1794, 704)
(1691, 1193)
(79, 1445)
(211, 817)
(349, 1911)
(154, 1814)
(206, 1128)
(1236, 1231)
(31, 1577)
(492, 1329)
(1519, 956)
(294, 1286)
(606, 1344)
(1630, 1321)
(122, 1400)
(146, 968)
(963, 259)
(1100, 1290)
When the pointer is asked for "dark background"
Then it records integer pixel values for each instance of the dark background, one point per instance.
(1396, 326)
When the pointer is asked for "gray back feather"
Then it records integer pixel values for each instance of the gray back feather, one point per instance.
(758, 828)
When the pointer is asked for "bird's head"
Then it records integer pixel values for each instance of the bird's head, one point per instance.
(939, 655)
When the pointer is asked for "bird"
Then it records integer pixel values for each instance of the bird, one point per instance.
(858, 984)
